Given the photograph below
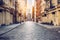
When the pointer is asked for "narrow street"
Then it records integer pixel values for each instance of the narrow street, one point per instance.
(30, 31)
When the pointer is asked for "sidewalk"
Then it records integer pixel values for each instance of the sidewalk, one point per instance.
(48, 26)
(6, 29)
(51, 27)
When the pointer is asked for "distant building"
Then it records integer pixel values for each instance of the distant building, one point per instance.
(29, 17)
(22, 9)
(38, 9)
(33, 13)
(38, 6)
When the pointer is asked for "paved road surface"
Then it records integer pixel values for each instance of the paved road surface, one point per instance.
(31, 31)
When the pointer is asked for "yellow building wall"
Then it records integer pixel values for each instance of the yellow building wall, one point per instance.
(7, 18)
(58, 17)
(0, 18)
(3, 17)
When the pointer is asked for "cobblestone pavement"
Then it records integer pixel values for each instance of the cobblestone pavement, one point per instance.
(31, 31)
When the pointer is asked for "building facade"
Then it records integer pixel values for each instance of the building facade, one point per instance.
(52, 12)
(7, 12)
(38, 9)
(22, 9)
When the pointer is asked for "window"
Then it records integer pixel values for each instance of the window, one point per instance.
(1, 10)
(58, 1)
(59, 11)
(52, 4)
(53, 12)
(1, 2)
(44, 15)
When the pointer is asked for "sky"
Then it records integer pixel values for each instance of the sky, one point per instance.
(30, 3)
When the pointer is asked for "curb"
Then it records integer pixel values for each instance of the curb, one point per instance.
(48, 26)
(56, 28)
(10, 30)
